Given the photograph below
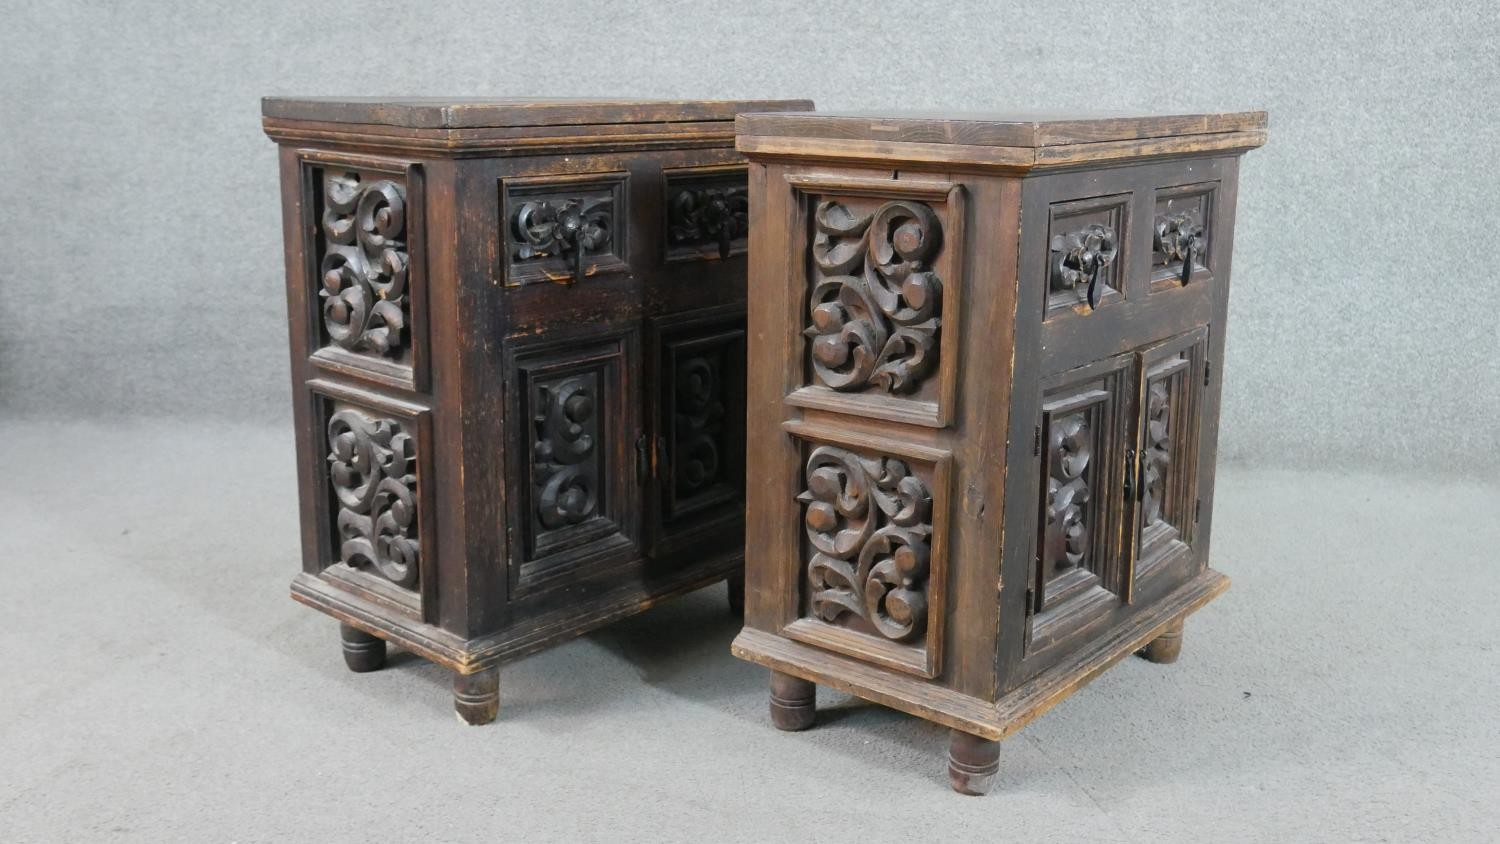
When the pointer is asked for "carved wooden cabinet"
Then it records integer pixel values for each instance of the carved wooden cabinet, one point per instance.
(984, 404)
(517, 341)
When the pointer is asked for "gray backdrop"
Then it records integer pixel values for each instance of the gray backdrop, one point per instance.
(141, 270)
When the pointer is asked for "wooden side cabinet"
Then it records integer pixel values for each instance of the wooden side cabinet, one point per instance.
(517, 342)
(984, 405)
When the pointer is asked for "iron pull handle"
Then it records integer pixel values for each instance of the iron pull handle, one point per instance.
(1094, 288)
(1187, 263)
(642, 459)
(1131, 481)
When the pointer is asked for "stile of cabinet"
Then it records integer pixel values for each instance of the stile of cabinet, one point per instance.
(984, 404)
(517, 344)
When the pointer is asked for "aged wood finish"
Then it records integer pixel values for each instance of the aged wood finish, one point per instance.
(984, 405)
(517, 342)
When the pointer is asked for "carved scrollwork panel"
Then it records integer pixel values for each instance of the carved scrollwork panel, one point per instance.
(876, 304)
(372, 469)
(565, 461)
(1172, 376)
(868, 520)
(364, 261)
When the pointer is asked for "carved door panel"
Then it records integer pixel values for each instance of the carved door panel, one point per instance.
(697, 456)
(574, 499)
(1170, 378)
(1082, 448)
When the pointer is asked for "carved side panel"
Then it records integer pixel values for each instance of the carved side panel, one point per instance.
(874, 516)
(700, 425)
(571, 480)
(1171, 376)
(564, 229)
(884, 286)
(1083, 458)
(1086, 260)
(378, 523)
(707, 213)
(1182, 233)
(366, 259)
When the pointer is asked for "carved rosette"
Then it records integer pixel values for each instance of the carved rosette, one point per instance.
(1067, 532)
(870, 525)
(364, 264)
(548, 228)
(1158, 450)
(1078, 258)
(699, 216)
(1177, 238)
(563, 465)
(877, 304)
(698, 425)
(372, 467)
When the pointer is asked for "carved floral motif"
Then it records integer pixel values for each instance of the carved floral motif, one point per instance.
(877, 305)
(719, 216)
(1178, 238)
(1078, 258)
(869, 522)
(372, 467)
(1067, 532)
(546, 228)
(364, 264)
(566, 431)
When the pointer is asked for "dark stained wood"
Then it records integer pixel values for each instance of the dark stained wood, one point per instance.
(794, 702)
(984, 403)
(517, 340)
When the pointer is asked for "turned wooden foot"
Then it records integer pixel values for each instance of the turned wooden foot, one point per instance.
(972, 763)
(737, 595)
(794, 702)
(476, 697)
(1166, 647)
(362, 652)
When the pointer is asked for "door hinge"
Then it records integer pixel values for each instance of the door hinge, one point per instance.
(1197, 510)
(1036, 443)
(1208, 368)
(642, 459)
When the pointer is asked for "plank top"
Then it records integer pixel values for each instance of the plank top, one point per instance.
(999, 129)
(471, 113)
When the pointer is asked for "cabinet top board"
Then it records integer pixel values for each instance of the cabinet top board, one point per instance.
(1011, 140)
(512, 112)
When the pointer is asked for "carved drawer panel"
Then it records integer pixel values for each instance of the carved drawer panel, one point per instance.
(1086, 258)
(700, 424)
(378, 518)
(366, 264)
(1181, 235)
(564, 229)
(884, 287)
(1171, 376)
(1084, 454)
(873, 549)
(707, 213)
(572, 488)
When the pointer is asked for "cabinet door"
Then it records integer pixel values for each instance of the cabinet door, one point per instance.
(574, 504)
(1082, 448)
(698, 454)
(1170, 376)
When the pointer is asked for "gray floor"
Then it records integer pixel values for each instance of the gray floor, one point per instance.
(159, 685)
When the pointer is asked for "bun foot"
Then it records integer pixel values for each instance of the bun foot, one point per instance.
(972, 763)
(476, 697)
(1164, 648)
(794, 702)
(737, 595)
(362, 652)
